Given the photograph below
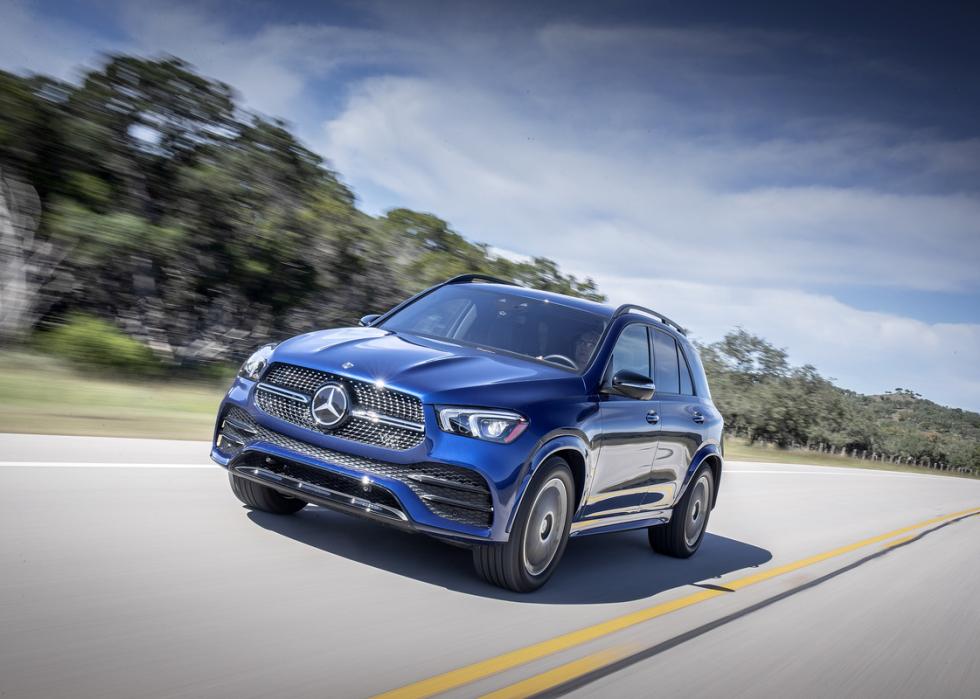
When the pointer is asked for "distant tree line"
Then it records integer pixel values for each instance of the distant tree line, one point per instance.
(765, 399)
(149, 222)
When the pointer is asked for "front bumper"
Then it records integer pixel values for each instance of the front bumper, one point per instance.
(435, 498)
(337, 493)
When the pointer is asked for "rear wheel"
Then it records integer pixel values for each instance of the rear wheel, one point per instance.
(263, 498)
(539, 536)
(682, 536)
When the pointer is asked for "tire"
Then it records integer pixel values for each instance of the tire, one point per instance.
(681, 537)
(260, 497)
(538, 538)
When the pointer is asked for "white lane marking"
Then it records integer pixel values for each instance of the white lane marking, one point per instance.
(95, 464)
(850, 472)
(732, 464)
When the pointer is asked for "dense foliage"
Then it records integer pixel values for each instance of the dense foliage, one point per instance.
(765, 399)
(197, 228)
(96, 343)
(149, 222)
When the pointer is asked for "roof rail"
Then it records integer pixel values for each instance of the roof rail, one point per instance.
(628, 307)
(469, 278)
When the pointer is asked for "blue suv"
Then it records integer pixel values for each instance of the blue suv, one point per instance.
(485, 414)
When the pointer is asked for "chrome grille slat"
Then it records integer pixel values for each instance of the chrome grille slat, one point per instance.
(335, 482)
(244, 429)
(464, 494)
(453, 502)
(432, 480)
(390, 407)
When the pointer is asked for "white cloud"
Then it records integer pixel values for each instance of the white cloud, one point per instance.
(501, 176)
(271, 67)
(35, 43)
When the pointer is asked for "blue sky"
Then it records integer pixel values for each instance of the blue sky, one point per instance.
(811, 173)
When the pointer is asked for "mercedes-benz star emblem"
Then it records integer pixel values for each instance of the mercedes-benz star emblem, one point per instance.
(330, 405)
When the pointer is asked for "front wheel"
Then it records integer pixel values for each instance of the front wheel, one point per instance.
(682, 536)
(261, 497)
(539, 536)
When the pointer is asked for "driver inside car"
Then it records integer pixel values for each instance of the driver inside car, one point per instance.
(584, 345)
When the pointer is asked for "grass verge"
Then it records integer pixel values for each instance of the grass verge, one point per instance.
(738, 449)
(44, 395)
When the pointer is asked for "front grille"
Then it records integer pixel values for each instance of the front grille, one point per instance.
(383, 402)
(452, 492)
(285, 409)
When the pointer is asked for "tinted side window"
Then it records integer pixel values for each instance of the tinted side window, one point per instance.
(687, 383)
(667, 378)
(632, 351)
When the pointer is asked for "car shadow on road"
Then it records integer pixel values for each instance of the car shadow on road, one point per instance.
(599, 569)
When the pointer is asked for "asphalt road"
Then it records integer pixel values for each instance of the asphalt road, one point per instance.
(128, 569)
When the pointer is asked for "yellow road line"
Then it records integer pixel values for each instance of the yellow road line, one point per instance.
(484, 668)
(560, 675)
(570, 671)
(899, 542)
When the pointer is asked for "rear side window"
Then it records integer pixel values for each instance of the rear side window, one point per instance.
(632, 351)
(687, 383)
(667, 373)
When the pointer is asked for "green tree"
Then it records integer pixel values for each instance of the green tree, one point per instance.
(201, 229)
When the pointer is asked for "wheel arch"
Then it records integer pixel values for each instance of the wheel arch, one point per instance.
(709, 455)
(575, 453)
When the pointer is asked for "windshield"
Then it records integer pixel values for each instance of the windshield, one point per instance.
(497, 320)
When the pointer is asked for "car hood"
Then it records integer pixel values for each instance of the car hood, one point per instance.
(431, 369)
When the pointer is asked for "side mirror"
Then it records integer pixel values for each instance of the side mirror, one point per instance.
(368, 319)
(632, 385)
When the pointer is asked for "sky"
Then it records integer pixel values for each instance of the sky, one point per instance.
(808, 171)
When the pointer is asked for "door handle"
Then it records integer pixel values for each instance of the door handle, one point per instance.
(652, 417)
(698, 417)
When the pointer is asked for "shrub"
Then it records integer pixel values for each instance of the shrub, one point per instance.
(94, 343)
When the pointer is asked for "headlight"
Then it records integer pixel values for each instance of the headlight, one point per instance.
(256, 364)
(500, 426)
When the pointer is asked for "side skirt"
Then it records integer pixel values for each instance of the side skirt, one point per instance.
(634, 520)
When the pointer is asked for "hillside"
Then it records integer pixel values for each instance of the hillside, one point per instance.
(764, 399)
